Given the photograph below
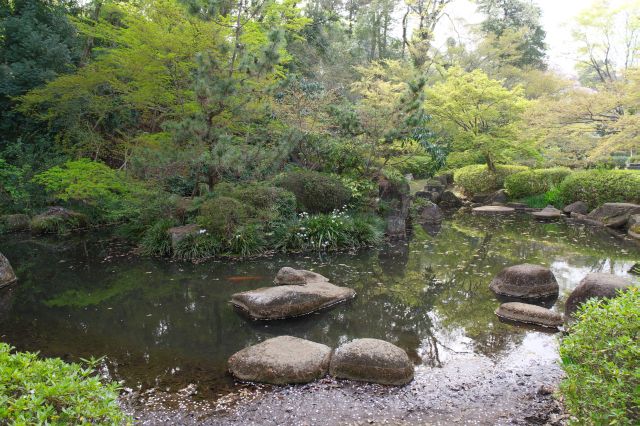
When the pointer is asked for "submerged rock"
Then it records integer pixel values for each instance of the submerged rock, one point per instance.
(530, 314)
(597, 285)
(372, 360)
(577, 207)
(305, 293)
(281, 360)
(525, 282)
(7, 276)
(491, 210)
(548, 213)
(430, 213)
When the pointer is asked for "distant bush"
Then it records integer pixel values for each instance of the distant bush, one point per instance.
(600, 357)
(534, 182)
(596, 187)
(315, 192)
(221, 216)
(420, 166)
(49, 391)
(477, 179)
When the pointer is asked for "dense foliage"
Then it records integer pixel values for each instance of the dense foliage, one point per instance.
(315, 192)
(478, 179)
(596, 187)
(36, 390)
(534, 182)
(600, 357)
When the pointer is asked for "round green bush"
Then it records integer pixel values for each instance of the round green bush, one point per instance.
(534, 182)
(49, 391)
(459, 159)
(600, 357)
(596, 187)
(420, 166)
(477, 179)
(223, 215)
(315, 192)
(269, 202)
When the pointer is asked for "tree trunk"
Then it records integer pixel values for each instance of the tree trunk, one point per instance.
(490, 164)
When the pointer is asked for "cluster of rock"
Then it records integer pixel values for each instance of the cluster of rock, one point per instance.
(38, 224)
(296, 293)
(287, 360)
(622, 216)
(537, 284)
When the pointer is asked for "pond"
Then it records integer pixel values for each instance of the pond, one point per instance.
(163, 324)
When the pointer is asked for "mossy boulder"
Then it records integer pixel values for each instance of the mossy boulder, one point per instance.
(57, 220)
(525, 281)
(14, 223)
(7, 276)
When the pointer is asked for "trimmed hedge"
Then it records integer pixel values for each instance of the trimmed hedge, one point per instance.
(477, 179)
(315, 192)
(596, 187)
(600, 357)
(534, 182)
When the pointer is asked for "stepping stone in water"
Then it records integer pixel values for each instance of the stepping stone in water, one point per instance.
(372, 360)
(314, 293)
(530, 314)
(525, 282)
(280, 361)
(548, 213)
(493, 210)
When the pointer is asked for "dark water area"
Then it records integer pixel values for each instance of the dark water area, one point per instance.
(165, 325)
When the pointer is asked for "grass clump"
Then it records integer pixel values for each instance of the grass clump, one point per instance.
(156, 240)
(478, 179)
(534, 182)
(50, 391)
(194, 247)
(600, 357)
(596, 187)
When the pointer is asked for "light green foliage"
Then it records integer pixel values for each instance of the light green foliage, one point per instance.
(459, 159)
(600, 357)
(479, 113)
(478, 179)
(328, 232)
(14, 194)
(420, 166)
(34, 390)
(315, 192)
(534, 182)
(596, 187)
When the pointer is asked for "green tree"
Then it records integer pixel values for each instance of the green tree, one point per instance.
(478, 112)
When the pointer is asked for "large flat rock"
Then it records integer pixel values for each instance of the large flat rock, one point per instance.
(291, 300)
(281, 360)
(525, 282)
(614, 215)
(372, 360)
(530, 314)
(493, 210)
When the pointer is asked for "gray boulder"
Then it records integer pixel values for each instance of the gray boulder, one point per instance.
(179, 233)
(396, 226)
(430, 213)
(525, 282)
(548, 213)
(449, 199)
(434, 197)
(498, 197)
(530, 314)
(14, 222)
(598, 285)
(372, 360)
(577, 207)
(281, 360)
(434, 185)
(7, 276)
(493, 210)
(307, 292)
(614, 215)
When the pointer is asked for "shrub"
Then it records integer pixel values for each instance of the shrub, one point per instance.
(477, 179)
(600, 357)
(197, 247)
(269, 203)
(50, 391)
(221, 216)
(420, 166)
(534, 182)
(596, 187)
(459, 159)
(315, 192)
(57, 223)
(156, 240)
(247, 241)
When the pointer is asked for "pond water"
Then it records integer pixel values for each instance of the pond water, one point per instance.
(165, 325)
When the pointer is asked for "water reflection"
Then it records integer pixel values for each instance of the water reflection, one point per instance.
(169, 324)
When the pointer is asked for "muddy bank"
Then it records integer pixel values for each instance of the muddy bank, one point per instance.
(468, 389)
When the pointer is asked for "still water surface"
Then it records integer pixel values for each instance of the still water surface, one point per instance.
(168, 324)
